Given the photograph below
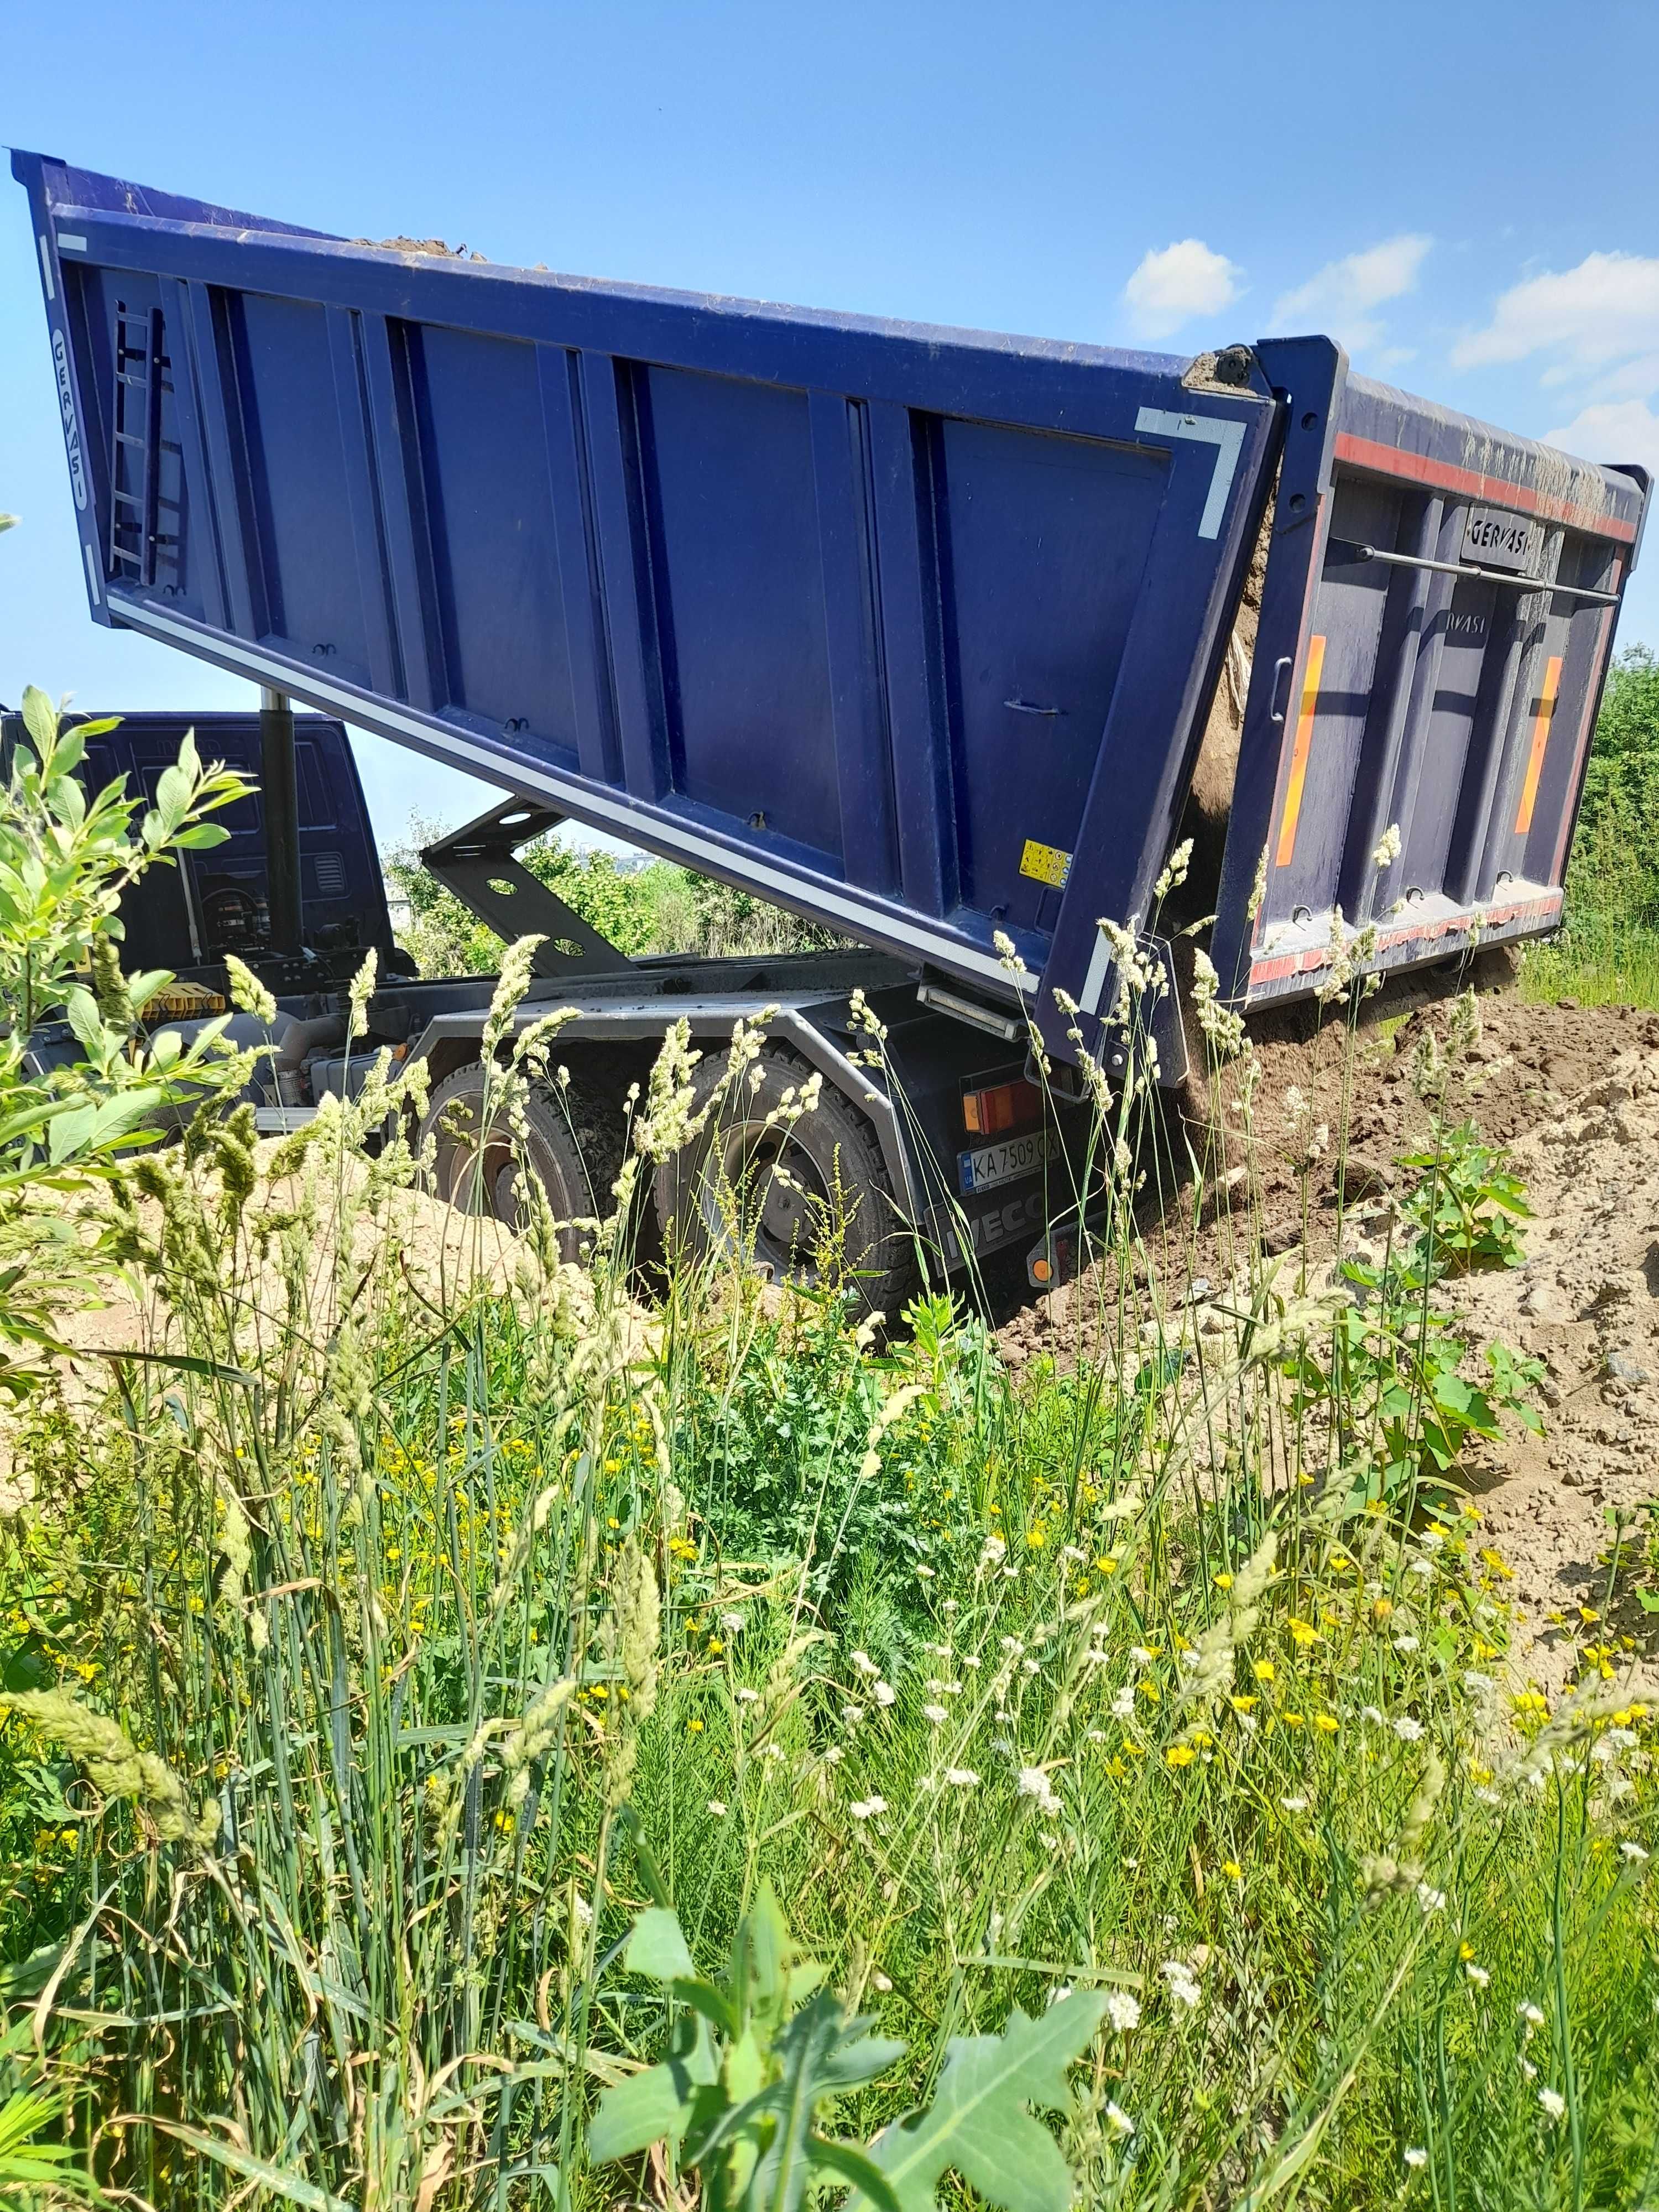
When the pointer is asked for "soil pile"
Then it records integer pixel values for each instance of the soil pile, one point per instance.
(1586, 1303)
(1573, 1095)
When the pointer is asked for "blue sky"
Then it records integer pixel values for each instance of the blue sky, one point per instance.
(1464, 193)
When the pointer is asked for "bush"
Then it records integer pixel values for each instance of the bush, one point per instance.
(1615, 864)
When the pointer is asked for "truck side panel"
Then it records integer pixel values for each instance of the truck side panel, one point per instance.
(865, 617)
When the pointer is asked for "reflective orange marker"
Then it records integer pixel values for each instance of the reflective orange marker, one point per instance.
(1304, 722)
(1540, 737)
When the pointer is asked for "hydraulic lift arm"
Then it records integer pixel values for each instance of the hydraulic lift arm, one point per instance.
(480, 864)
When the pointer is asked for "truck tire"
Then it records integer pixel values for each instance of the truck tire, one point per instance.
(719, 1195)
(572, 1146)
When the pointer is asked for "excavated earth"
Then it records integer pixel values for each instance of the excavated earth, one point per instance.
(1572, 1094)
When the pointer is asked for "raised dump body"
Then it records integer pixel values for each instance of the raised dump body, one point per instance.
(915, 631)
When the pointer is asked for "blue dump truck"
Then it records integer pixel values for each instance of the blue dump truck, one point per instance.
(942, 639)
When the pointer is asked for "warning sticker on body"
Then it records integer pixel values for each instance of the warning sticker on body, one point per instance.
(1046, 863)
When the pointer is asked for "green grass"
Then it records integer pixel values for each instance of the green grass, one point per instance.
(389, 1621)
(1601, 960)
(462, 1623)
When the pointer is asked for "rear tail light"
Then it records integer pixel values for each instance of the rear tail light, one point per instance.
(1003, 1106)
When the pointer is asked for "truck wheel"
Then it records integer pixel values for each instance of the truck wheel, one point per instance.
(810, 1202)
(572, 1146)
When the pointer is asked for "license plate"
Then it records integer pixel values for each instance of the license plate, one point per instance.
(1494, 539)
(1005, 1161)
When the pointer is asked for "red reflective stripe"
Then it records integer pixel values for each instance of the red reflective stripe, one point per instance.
(1475, 483)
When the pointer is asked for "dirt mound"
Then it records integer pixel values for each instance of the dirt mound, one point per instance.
(1573, 1094)
(1527, 1065)
(1587, 1305)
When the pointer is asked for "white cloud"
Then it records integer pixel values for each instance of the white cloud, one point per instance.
(1611, 430)
(1169, 288)
(1604, 309)
(1635, 379)
(1339, 297)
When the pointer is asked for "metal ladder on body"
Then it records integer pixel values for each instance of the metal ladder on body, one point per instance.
(136, 488)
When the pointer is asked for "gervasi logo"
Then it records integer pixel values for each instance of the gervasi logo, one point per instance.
(71, 428)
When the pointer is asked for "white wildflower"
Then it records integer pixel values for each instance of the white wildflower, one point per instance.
(1407, 1729)
(934, 1713)
(1416, 2157)
(1183, 1985)
(1633, 1852)
(1123, 2011)
(1034, 1782)
(865, 1663)
(1429, 1898)
(1554, 2102)
(719, 1809)
(1478, 1975)
(884, 1694)
(866, 1809)
(1119, 2118)
(962, 1777)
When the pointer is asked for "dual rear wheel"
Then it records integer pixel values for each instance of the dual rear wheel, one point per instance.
(807, 1199)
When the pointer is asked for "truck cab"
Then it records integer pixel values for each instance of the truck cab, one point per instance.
(186, 919)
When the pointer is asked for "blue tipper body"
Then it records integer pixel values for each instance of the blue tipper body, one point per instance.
(913, 631)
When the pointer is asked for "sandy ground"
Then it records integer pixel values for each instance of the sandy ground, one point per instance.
(1573, 1093)
(1587, 1305)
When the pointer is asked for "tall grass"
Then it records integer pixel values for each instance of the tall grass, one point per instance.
(412, 1609)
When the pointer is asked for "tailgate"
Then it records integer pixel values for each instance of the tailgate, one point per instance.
(1437, 619)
